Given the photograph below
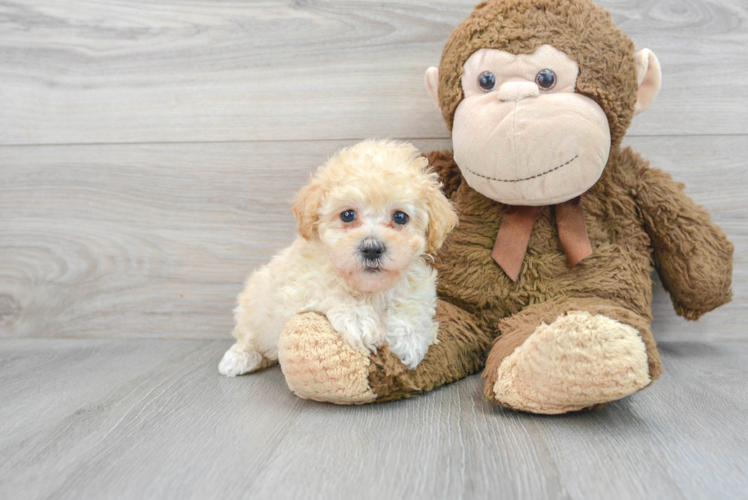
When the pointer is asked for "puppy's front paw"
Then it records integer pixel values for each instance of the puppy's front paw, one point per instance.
(408, 341)
(240, 360)
(359, 327)
(363, 336)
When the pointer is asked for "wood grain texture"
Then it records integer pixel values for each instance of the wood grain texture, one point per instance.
(153, 419)
(155, 240)
(118, 247)
(96, 71)
(133, 240)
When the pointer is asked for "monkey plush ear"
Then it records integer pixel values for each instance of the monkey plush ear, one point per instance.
(305, 209)
(432, 84)
(648, 76)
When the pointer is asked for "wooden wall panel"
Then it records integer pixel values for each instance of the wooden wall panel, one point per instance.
(99, 71)
(155, 240)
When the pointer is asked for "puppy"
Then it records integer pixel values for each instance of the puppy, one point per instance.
(367, 223)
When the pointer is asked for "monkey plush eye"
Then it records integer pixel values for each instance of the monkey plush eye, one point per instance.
(348, 216)
(546, 79)
(400, 218)
(486, 81)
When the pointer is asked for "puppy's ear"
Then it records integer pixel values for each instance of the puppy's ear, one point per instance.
(442, 218)
(305, 208)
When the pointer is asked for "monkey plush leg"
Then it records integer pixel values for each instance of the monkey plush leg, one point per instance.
(569, 355)
(318, 365)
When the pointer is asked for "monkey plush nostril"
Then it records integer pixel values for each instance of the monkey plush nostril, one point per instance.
(514, 91)
(372, 250)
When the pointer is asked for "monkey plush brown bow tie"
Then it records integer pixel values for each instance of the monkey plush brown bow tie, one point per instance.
(516, 228)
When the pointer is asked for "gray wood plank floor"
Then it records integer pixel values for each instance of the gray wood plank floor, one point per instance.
(153, 419)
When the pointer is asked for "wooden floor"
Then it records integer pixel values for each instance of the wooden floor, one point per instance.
(153, 419)
(148, 150)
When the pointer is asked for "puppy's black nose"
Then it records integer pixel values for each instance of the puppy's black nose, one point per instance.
(372, 250)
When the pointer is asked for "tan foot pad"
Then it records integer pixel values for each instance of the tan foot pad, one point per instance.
(576, 362)
(319, 365)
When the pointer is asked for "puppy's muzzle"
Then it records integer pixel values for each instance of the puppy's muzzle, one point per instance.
(372, 250)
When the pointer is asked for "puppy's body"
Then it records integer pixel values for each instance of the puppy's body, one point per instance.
(300, 279)
(368, 275)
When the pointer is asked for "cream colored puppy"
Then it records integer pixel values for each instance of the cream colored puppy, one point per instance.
(367, 224)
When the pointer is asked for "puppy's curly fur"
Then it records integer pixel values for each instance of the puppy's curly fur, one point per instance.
(369, 296)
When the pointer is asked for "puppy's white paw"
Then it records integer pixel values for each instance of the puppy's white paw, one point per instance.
(409, 342)
(364, 336)
(359, 327)
(410, 352)
(238, 360)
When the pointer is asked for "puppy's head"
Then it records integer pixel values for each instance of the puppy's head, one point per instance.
(375, 207)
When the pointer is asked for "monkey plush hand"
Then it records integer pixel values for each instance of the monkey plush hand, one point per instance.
(546, 281)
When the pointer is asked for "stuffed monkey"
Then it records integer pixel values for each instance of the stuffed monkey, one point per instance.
(545, 284)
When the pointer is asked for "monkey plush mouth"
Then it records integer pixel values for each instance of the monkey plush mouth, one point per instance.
(526, 178)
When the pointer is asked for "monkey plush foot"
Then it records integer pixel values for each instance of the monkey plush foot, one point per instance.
(319, 365)
(579, 360)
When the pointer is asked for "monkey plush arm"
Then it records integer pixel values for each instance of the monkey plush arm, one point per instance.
(449, 174)
(691, 253)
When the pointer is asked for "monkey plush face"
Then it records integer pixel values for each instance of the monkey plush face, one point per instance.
(521, 135)
(536, 92)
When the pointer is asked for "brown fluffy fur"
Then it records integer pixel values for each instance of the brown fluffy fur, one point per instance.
(628, 212)
(638, 218)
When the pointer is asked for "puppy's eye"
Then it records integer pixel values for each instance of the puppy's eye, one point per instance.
(546, 79)
(348, 216)
(486, 81)
(400, 218)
